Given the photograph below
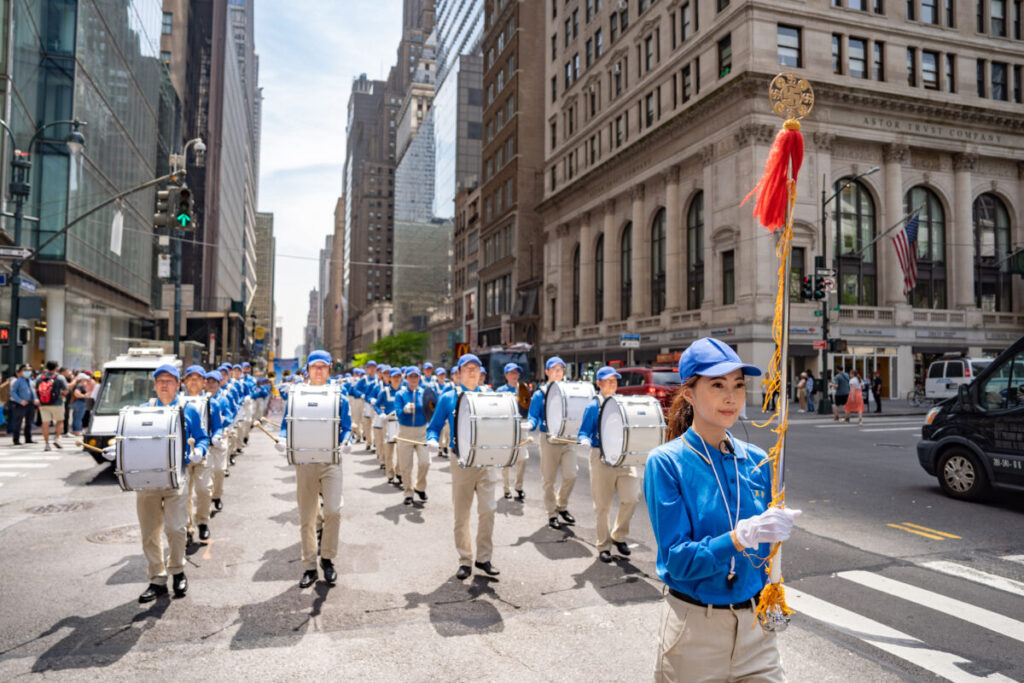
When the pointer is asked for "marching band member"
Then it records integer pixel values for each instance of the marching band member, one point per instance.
(200, 473)
(218, 440)
(606, 481)
(316, 480)
(386, 405)
(412, 425)
(167, 511)
(467, 481)
(553, 456)
(368, 396)
(512, 386)
(427, 373)
(440, 380)
(704, 531)
(357, 402)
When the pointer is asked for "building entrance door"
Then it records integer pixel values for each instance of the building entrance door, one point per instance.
(868, 359)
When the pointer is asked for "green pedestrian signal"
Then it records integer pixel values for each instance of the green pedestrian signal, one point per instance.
(184, 209)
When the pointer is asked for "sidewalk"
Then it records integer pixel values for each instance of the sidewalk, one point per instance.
(897, 407)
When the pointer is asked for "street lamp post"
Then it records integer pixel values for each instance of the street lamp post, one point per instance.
(19, 188)
(824, 405)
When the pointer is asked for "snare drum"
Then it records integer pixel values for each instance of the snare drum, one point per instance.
(564, 405)
(314, 417)
(150, 448)
(486, 429)
(202, 404)
(391, 429)
(630, 428)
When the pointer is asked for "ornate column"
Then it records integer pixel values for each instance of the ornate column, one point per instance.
(675, 268)
(587, 271)
(565, 246)
(612, 259)
(707, 157)
(890, 276)
(641, 255)
(960, 273)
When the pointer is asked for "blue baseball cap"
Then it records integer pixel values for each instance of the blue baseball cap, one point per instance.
(709, 357)
(318, 356)
(553, 361)
(441, 371)
(236, 366)
(606, 372)
(429, 365)
(214, 375)
(195, 369)
(396, 372)
(246, 365)
(168, 369)
(510, 367)
(359, 371)
(468, 358)
(414, 371)
(371, 364)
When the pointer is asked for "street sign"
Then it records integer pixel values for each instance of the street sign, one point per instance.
(830, 284)
(817, 313)
(26, 284)
(629, 337)
(820, 344)
(259, 333)
(3, 279)
(629, 343)
(20, 253)
(825, 272)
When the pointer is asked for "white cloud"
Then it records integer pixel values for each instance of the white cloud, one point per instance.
(310, 51)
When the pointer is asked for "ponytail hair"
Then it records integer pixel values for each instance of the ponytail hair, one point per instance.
(680, 413)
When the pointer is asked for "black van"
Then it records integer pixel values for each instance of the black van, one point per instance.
(975, 440)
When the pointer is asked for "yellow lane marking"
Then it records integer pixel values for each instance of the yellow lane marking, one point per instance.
(931, 531)
(913, 531)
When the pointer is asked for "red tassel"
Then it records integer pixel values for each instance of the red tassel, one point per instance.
(772, 190)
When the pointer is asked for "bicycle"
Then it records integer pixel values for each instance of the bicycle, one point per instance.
(916, 397)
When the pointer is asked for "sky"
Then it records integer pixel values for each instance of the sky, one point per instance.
(310, 51)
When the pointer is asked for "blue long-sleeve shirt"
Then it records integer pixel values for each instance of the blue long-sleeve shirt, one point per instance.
(536, 414)
(689, 518)
(445, 412)
(590, 425)
(193, 429)
(22, 390)
(217, 418)
(405, 396)
(344, 424)
(385, 402)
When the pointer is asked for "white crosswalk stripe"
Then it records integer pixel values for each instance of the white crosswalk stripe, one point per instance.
(24, 464)
(27, 458)
(1019, 559)
(976, 575)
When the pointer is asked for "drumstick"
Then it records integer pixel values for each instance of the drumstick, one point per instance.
(558, 439)
(89, 448)
(529, 439)
(263, 429)
(271, 423)
(414, 443)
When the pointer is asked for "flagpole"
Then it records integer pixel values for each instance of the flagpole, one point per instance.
(906, 217)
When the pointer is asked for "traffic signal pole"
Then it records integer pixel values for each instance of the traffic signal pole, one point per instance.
(824, 405)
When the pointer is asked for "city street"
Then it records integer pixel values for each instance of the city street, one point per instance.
(891, 579)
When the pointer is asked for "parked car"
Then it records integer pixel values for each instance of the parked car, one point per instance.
(947, 374)
(975, 440)
(659, 382)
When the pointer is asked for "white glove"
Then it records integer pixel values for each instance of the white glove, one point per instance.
(346, 448)
(774, 525)
(585, 442)
(281, 446)
(409, 409)
(527, 425)
(110, 452)
(216, 441)
(432, 448)
(196, 460)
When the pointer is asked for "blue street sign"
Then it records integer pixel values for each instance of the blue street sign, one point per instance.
(3, 279)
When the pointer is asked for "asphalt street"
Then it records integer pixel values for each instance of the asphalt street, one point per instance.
(891, 579)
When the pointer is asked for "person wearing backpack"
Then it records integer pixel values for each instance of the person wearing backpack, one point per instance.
(51, 390)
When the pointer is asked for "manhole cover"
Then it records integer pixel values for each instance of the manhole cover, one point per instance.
(55, 508)
(128, 533)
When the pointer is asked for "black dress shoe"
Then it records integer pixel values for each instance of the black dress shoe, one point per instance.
(421, 494)
(508, 495)
(309, 577)
(487, 567)
(463, 572)
(391, 480)
(605, 556)
(330, 573)
(189, 539)
(520, 495)
(180, 584)
(623, 548)
(231, 459)
(398, 480)
(554, 523)
(569, 519)
(217, 505)
(153, 592)
(407, 501)
(204, 532)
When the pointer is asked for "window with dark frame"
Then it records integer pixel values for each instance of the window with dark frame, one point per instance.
(992, 282)
(658, 263)
(929, 11)
(999, 81)
(626, 268)
(930, 69)
(725, 56)
(997, 17)
(857, 51)
(837, 54)
(599, 280)
(788, 46)
(930, 290)
(728, 277)
(950, 73)
(854, 251)
(911, 66)
(879, 60)
(695, 253)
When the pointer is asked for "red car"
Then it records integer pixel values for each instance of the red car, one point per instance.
(660, 382)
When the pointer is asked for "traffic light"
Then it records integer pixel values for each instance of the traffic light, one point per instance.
(183, 216)
(162, 217)
(807, 288)
(819, 287)
(837, 346)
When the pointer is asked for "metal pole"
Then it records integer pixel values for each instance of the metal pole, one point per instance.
(12, 338)
(824, 406)
(177, 294)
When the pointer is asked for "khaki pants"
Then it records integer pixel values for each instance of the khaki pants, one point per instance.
(405, 458)
(702, 644)
(555, 457)
(200, 489)
(605, 482)
(356, 404)
(446, 438)
(313, 481)
(520, 467)
(467, 481)
(218, 458)
(368, 430)
(163, 512)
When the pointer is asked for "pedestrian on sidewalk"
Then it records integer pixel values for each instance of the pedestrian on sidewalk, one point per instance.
(51, 389)
(801, 392)
(23, 396)
(705, 530)
(79, 397)
(810, 390)
(840, 385)
(876, 390)
(855, 402)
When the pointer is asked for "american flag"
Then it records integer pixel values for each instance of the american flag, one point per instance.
(906, 251)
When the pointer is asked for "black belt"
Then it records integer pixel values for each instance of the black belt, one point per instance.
(747, 604)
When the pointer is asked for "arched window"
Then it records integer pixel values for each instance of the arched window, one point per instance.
(576, 286)
(658, 263)
(855, 228)
(626, 251)
(930, 291)
(599, 280)
(991, 244)
(695, 253)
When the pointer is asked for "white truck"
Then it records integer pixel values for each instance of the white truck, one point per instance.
(127, 381)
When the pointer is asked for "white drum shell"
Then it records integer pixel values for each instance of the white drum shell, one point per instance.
(487, 429)
(149, 452)
(391, 429)
(202, 404)
(630, 427)
(314, 417)
(564, 405)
